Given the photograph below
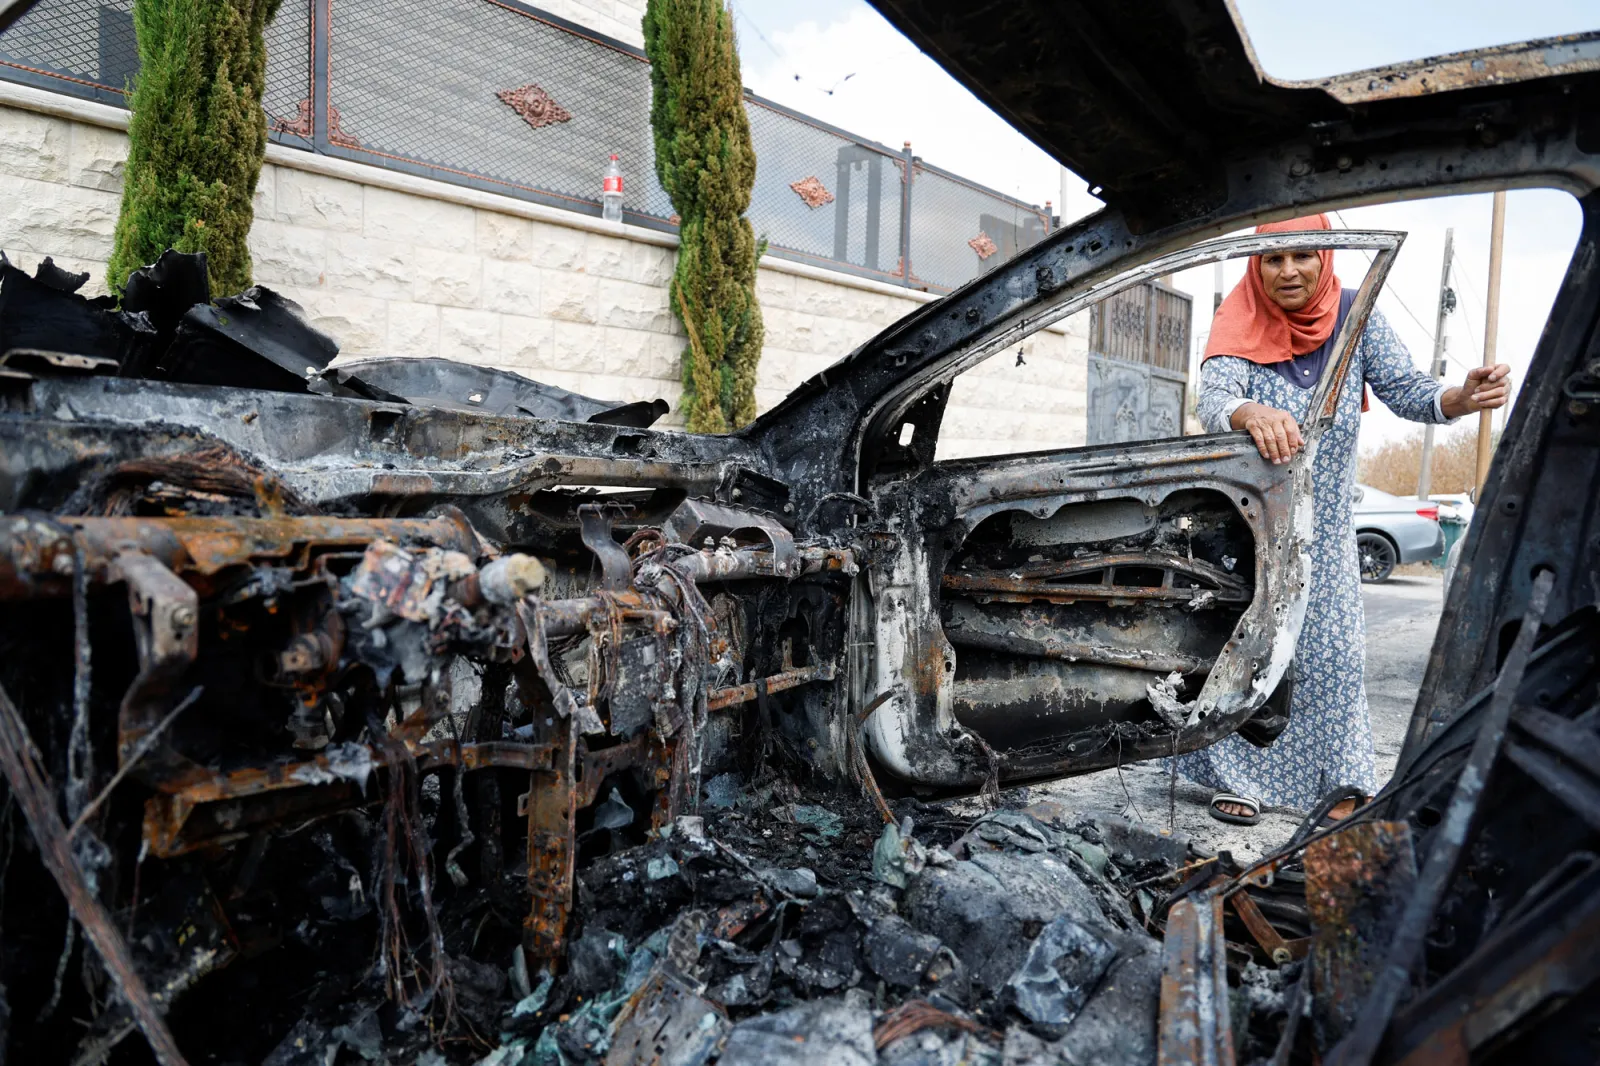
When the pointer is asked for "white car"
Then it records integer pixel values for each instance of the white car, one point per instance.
(1392, 530)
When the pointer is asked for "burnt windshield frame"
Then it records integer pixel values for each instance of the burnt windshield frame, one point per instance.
(1384, 244)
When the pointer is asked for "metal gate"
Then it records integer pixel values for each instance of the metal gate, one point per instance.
(1139, 364)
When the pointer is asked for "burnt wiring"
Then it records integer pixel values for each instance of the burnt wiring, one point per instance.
(403, 851)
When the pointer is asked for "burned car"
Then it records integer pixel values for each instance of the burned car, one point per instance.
(246, 591)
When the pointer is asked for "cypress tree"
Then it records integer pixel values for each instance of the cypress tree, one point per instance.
(707, 166)
(196, 138)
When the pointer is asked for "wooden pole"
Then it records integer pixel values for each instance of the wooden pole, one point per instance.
(1491, 330)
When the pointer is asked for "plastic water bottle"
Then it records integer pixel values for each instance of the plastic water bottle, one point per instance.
(611, 192)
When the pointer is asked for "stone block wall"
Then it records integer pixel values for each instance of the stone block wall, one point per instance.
(614, 18)
(390, 264)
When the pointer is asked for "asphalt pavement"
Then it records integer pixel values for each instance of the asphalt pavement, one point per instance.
(1402, 616)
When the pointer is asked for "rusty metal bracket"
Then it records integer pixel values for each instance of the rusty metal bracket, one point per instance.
(695, 521)
(552, 849)
(1195, 1028)
(1271, 941)
(166, 615)
(594, 525)
(332, 781)
(718, 699)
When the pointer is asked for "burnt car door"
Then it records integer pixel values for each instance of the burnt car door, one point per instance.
(1053, 613)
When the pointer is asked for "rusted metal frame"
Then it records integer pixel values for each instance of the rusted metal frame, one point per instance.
(1002, 588)
(1195, 1027)
(1541, 956)
(645, 750)
(1449, 840)
(718, 699)
(1051, 298)
(1325, 399)
(166, 619)
(167, 814)
(552, 849)
(213, 786)
(1072, 652)
(1228, 586)
(1272, 942)
(1502, 65)
(565, 618)
(35, 795)
(35, 559)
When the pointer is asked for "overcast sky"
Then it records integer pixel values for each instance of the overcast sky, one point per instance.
(840, 61)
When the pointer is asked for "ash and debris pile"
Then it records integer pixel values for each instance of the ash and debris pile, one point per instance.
(768, 930)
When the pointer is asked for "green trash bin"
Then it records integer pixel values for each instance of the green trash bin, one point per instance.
(1454, 529)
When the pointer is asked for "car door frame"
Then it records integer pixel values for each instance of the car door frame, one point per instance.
(903, 666)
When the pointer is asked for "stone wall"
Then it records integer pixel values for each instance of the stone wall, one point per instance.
(614, 18)
(391, 264)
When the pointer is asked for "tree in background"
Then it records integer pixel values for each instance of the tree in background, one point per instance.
(197, 136)
(1395, 466)
(707, 166)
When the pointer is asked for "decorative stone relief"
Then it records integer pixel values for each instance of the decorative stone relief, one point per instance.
(983, 245)
(534, 105)
(812, 191)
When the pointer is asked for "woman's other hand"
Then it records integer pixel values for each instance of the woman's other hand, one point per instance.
(1276, 433)
(1486, 388)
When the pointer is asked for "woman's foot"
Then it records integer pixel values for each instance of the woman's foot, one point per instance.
(1343, 809)
(1235, 809)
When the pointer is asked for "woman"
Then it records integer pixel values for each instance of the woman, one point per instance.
(1271, 341)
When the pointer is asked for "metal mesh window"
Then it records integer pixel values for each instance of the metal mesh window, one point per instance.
(821, 195)
(501, 96)
(421, 80)
(287, 100)
(951, 224)
(88, 48)
(84, 43)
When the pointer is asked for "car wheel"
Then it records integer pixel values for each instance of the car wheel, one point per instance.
(1377, 556)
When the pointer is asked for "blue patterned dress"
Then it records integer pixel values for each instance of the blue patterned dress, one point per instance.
(1328, 741)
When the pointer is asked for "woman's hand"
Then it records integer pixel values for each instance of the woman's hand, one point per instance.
(1276, 433)
(1486, 388)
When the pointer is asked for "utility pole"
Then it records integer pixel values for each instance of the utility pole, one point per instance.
(1491, 330)
(1216, 278)
(1447, 300)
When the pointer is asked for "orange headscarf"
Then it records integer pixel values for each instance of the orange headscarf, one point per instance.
(1249, 325)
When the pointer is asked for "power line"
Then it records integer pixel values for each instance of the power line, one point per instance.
(748, 21)
(1388, 291)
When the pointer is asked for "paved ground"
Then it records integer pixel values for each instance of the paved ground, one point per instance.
(1402, 615)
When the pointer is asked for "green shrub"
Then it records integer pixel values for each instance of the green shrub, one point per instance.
(707, 166)
(197, 136)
